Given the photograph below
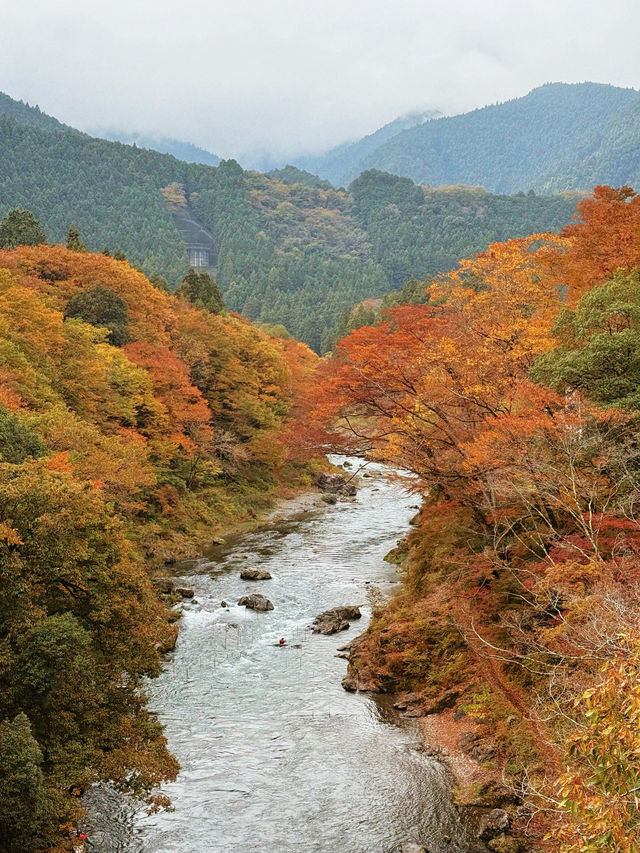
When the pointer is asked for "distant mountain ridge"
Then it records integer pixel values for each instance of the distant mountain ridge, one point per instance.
(345, 162)
(558, 137)
(284, 249)
(186, 151)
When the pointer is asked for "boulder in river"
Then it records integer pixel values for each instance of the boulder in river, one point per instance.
(185, 591)
(256, 602)
(335, 484)
(337, 619)
(255, 575)
(329, 482)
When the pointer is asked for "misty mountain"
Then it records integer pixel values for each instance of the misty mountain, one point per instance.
(32, 116)
(182, 150)
(558, 137)
(345, 162)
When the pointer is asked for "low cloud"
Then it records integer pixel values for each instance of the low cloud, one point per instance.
(287, 77)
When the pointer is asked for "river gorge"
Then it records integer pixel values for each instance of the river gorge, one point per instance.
(276, 757)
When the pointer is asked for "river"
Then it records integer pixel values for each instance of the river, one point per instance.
(276, 757)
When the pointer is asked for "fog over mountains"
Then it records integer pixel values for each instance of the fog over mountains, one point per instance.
(558, 137)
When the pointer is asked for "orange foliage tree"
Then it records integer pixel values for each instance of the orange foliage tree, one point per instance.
(106, 454)
(540, 485)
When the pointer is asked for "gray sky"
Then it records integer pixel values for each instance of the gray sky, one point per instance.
(298, 77)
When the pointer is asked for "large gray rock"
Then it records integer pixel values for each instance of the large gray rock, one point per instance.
(256, 602)
(335, 484)
(355, 682)
(255, 575)
(330, 482)
(492, 824)
(337, 619)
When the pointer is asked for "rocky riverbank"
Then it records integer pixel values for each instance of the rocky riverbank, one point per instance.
(458, 739)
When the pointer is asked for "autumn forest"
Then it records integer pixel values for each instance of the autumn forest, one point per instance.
(477, 352)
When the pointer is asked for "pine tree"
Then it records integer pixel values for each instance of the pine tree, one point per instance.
(74, 242)
(20, 228)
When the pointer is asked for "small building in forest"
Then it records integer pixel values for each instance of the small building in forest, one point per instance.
(199, 256)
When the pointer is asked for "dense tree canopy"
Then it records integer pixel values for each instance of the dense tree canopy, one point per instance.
(509, 388)
(286, 249)
(131, 423)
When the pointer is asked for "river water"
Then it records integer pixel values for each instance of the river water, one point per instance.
(276, 757)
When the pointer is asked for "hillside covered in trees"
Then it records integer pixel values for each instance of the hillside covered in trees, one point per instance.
(511, 392)
(133, 425)
(558, 137)
(287, 249)
(344, 163)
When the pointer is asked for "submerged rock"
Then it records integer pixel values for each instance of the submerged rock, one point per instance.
(256, 602)
(255, 575)
(337, 619)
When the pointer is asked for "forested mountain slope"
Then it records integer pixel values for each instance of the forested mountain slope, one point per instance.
(343, 163)
(557, 137)
(283, 252)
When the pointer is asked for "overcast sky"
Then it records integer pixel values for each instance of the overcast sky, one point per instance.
(297, 77)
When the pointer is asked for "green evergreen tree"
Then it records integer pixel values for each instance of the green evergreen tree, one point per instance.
(202, 291)
(102, 307)
(20, 228)
(25, 804)
(74, 242)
